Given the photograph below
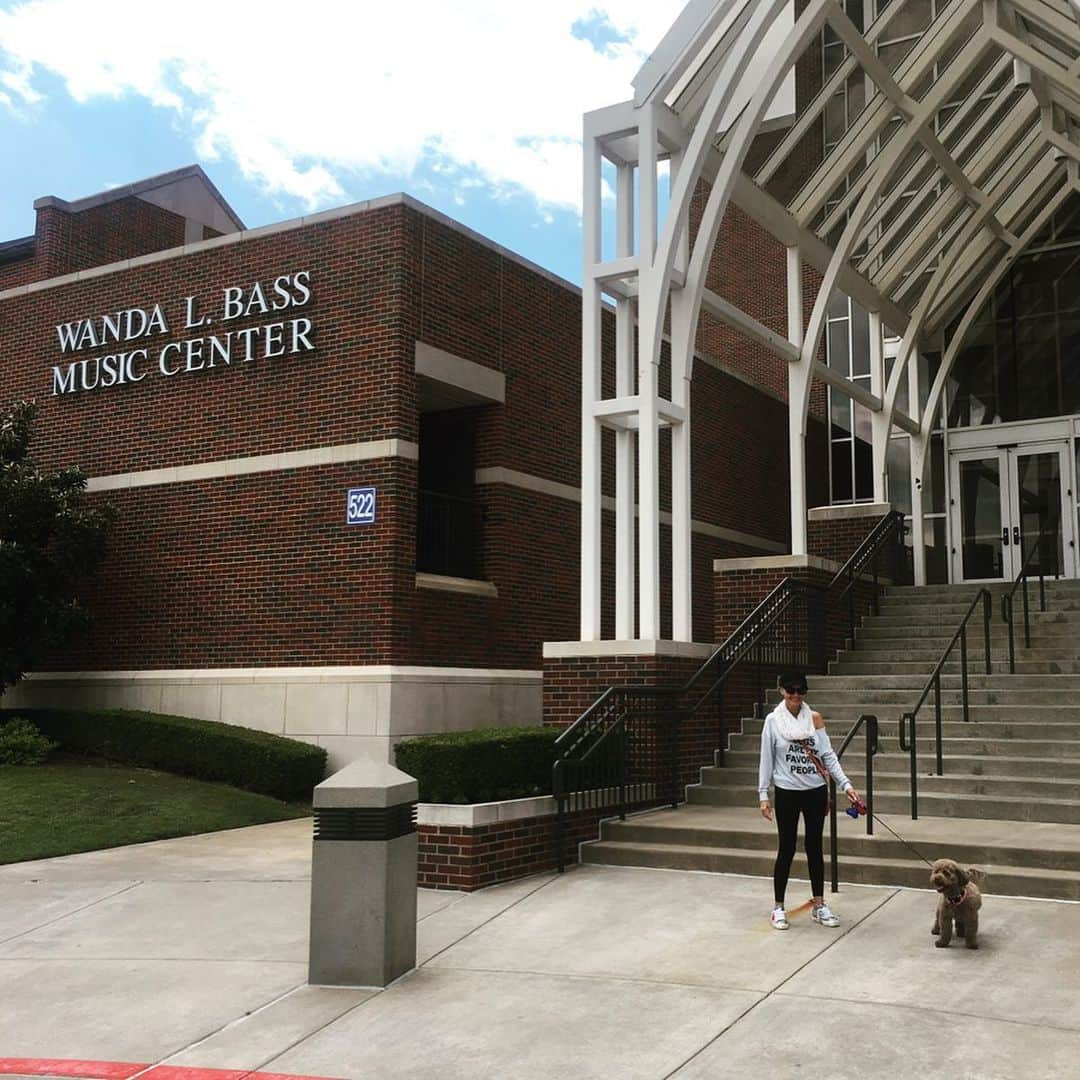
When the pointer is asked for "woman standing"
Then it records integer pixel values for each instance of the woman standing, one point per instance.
(795, 754)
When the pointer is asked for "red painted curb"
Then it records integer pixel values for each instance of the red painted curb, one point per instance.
(124, 1070)
(92, 1070)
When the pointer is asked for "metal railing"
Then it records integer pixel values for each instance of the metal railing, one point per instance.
(1038, 548)
(651, 726)
(908, 735)
(883, 547)
(623, 752)
(871, 749)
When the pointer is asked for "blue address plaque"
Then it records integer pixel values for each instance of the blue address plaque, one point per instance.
(360, 506)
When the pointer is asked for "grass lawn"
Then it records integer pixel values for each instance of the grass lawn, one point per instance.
(80, 804)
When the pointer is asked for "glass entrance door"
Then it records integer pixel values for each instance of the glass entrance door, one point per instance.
(1003, 500)
(1035, 475)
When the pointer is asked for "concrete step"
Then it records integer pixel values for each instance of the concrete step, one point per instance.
(1061, 684)
(896, 780)
(1019, 858)
(1063, 585)
(999, 666)
(1003, 880)
(1045, 748)
(972, 842)
(931, 804)
(1055, 633)
(831, 699)
(1067, 732)
(890, 759)
(913, 617)
(841, 720)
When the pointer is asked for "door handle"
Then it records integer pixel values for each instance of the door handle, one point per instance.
(1016, 535)
(1005, 536)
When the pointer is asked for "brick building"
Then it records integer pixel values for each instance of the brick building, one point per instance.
(345, 453)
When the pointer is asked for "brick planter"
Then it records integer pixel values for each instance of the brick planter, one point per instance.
(468, 847)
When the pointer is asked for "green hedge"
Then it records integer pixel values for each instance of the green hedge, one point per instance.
(485, 765)
(253, 760)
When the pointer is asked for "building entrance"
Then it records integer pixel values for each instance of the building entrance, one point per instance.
(1003, 498)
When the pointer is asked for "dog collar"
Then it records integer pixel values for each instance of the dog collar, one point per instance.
(959, 900)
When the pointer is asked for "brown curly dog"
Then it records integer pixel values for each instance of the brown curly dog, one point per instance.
(960, 902)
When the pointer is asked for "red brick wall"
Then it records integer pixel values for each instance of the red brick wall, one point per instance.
(261, 569)
(837, 539)
(120, 229)
(458, 857)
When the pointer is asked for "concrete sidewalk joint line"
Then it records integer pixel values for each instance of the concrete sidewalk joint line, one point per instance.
(67, 915)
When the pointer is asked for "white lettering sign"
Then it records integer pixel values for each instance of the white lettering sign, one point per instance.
(284, 336)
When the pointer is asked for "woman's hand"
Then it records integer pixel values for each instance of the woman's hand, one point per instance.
(766, 810)
(853, 796)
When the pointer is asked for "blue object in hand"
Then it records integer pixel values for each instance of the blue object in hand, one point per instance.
(855, 809)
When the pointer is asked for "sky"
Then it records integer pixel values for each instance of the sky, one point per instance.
(472, 106)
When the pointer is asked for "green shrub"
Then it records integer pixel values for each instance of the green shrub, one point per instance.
(239, 756)
(485, 765)
(22, 744)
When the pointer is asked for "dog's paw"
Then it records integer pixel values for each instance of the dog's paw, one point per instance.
(941, 943)
(971, 943)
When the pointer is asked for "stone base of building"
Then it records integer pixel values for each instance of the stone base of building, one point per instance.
(354, 712)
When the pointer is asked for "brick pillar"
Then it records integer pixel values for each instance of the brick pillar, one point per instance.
(576, 673)
(836, 531)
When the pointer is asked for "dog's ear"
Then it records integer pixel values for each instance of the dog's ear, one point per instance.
(976, 875)
(961, 878)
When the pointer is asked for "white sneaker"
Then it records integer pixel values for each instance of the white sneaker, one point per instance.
(824, 916)
(779, 919)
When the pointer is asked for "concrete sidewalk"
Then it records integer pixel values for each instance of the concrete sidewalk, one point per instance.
(192, 953)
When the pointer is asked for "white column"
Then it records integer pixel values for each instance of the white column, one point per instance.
(796, 406)
(591, 315)
(916, 467)
(682, 370)
(648, 390)
(879, 421)
(624, 439)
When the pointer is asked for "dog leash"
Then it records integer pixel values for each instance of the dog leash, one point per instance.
(904, 842)
(817, 763)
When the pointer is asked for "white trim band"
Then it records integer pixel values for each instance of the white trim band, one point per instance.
(529, 482)
(293, 459)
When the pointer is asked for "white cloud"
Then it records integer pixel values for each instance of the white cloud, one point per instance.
(301, 95)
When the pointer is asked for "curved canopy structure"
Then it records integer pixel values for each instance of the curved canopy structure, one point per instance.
(930, 141)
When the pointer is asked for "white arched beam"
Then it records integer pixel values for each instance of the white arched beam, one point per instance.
(971, 312)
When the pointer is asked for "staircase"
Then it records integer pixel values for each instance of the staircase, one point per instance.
(1009, 799)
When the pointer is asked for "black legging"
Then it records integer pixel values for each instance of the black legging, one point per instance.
(787, 805)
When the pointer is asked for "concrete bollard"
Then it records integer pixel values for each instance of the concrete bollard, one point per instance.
(363, 877)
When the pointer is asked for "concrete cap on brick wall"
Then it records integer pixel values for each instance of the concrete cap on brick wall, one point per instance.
(855, 510)
(366, 783)
(776, 562)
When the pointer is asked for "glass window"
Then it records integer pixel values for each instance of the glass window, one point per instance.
(898, 473)
(937, 553)
(841, 472)
(840, 414)
(864, 469)
(860, 341)
(838, 348)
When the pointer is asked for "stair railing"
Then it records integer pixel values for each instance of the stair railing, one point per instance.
(908, 740)
(1022, 580)
(623, 751)
(871, 749)
(883, 545)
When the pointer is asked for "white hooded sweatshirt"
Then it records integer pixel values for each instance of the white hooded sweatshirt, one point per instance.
(785, 762)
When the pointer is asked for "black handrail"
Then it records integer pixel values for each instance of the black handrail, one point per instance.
(907, 719)
(650, 765)
(1022, 578)
(869, 554)
(871, 750)
(582, 776)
